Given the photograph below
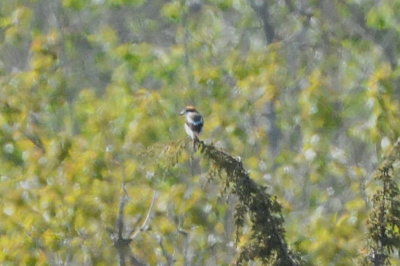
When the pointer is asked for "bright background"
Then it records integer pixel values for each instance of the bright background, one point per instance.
(305, 92)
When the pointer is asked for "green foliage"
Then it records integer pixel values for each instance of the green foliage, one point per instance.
(90, 93)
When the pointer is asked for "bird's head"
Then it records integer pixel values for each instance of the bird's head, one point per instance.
(188, 109)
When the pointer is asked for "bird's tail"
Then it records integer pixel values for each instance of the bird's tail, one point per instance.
(195, 141)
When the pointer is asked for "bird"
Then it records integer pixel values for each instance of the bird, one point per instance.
(193, 123)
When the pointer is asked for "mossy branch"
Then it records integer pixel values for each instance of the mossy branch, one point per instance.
(267, 241)
(384, 219)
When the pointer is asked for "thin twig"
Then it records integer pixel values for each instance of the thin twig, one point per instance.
(147, 219)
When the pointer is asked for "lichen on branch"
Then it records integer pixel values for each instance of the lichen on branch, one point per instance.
(267, 240)
(384, 219)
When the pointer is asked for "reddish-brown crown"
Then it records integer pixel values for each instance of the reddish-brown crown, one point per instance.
(190, 108)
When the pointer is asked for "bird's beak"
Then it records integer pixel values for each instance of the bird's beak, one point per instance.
(182, 112)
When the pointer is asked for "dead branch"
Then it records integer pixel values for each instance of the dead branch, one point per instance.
(122, 243)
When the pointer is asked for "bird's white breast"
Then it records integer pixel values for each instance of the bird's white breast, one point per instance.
(189, 131)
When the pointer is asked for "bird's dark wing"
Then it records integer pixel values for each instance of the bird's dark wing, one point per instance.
(195, 122)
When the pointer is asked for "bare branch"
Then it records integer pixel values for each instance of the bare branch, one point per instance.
(185, 247)
(120, 219)
(120, 242)
(170, 259)
(146, 221)
(262, 10)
